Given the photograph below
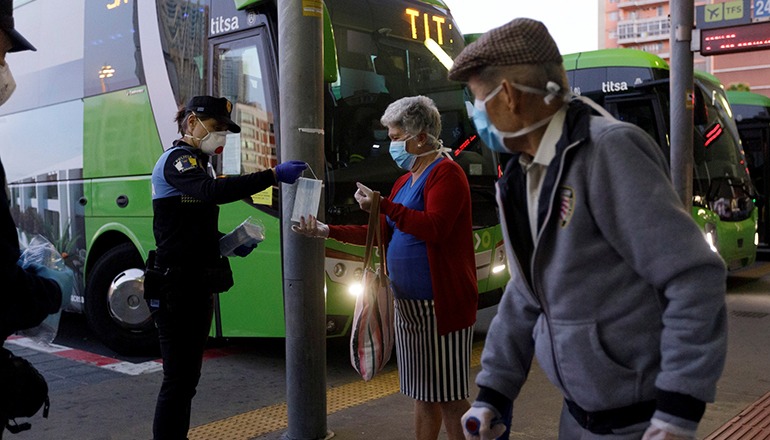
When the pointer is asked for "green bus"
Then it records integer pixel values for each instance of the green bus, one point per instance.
(634, 87)
(94, 110)
(752, 114)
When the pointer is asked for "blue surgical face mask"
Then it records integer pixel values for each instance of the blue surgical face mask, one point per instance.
(403, 158)
(398, 152)
(481, 121)
(491, 135)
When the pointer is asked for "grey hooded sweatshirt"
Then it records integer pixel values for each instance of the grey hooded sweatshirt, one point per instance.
(620, 297)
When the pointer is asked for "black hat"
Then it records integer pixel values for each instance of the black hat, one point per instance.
(6, 24)
(217, 108)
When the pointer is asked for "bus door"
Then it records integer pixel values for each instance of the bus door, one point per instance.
(755, 138)
(242, 68)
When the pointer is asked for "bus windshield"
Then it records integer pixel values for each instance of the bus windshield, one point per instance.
(639, 96)
(721, 178)
(752, 116)
(377, 67)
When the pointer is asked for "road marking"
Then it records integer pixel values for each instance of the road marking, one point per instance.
(85, 357)
(106, 362)
(272, 418)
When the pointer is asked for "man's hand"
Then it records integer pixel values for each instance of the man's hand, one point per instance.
(482, 423)
(311, 228)
(660, 430)
(363, 196)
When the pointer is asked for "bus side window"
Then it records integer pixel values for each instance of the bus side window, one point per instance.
(700, 113)
(639, 112)
(701, 153)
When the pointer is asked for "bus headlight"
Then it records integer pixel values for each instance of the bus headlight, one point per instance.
(499, 263)
(356, 289)
(711, 236)
(756, 233)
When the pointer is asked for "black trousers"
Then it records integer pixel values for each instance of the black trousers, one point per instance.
(183, 320)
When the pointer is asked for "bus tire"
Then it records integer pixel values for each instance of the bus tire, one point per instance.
(114, 304)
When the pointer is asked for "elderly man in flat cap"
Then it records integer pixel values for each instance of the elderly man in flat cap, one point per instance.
(612, 286)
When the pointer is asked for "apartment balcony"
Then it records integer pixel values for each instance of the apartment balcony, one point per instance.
(643, 31)
(625, 4)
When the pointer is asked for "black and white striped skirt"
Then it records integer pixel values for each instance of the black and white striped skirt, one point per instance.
(431, 368)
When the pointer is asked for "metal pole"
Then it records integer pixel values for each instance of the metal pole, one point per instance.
(682, 99)
(300, 51)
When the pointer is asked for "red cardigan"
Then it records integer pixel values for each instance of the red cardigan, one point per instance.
(446, 227)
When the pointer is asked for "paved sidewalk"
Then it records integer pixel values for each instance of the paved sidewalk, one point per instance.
(90, 401)
(753, 423)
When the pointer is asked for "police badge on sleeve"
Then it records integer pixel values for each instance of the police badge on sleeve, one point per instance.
(185, 163)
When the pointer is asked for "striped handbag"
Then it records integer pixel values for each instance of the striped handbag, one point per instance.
(372, 336)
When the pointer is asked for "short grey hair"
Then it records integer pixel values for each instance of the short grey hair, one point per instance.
(414, 115)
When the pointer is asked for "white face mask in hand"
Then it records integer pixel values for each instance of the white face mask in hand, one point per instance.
(7, 84)
(307, 198)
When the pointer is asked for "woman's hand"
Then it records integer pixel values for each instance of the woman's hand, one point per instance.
(311, 228)
(363, 196)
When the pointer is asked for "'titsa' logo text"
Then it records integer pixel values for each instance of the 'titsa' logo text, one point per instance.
(612, 86)
(221, 24)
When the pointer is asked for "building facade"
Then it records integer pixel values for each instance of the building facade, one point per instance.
(644, 25)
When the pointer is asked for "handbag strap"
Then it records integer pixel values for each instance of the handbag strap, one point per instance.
(373, 231)
(381, 246)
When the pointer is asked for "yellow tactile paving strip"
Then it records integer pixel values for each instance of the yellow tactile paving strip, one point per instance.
(275, 417)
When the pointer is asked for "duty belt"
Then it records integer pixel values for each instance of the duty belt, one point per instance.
(604, 422)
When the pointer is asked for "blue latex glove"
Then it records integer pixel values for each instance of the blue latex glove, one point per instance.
(289, 172)
(64, 278)
(244, 249)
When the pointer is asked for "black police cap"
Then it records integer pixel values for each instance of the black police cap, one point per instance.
(217, 108)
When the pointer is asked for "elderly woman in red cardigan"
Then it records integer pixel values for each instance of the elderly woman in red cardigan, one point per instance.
(431, 264)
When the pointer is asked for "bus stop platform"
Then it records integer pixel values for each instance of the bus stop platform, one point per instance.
(377, 410)
(241, 395)
(753, 423)
(389, 416)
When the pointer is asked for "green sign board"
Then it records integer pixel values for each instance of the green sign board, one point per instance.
(718, 15)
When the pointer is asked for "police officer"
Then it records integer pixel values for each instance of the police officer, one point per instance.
(185, 199)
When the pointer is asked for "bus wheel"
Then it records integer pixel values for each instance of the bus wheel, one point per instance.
(114, 303)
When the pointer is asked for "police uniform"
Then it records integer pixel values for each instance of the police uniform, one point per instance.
(185, 198)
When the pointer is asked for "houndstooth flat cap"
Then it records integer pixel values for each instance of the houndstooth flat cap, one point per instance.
(521, 41)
